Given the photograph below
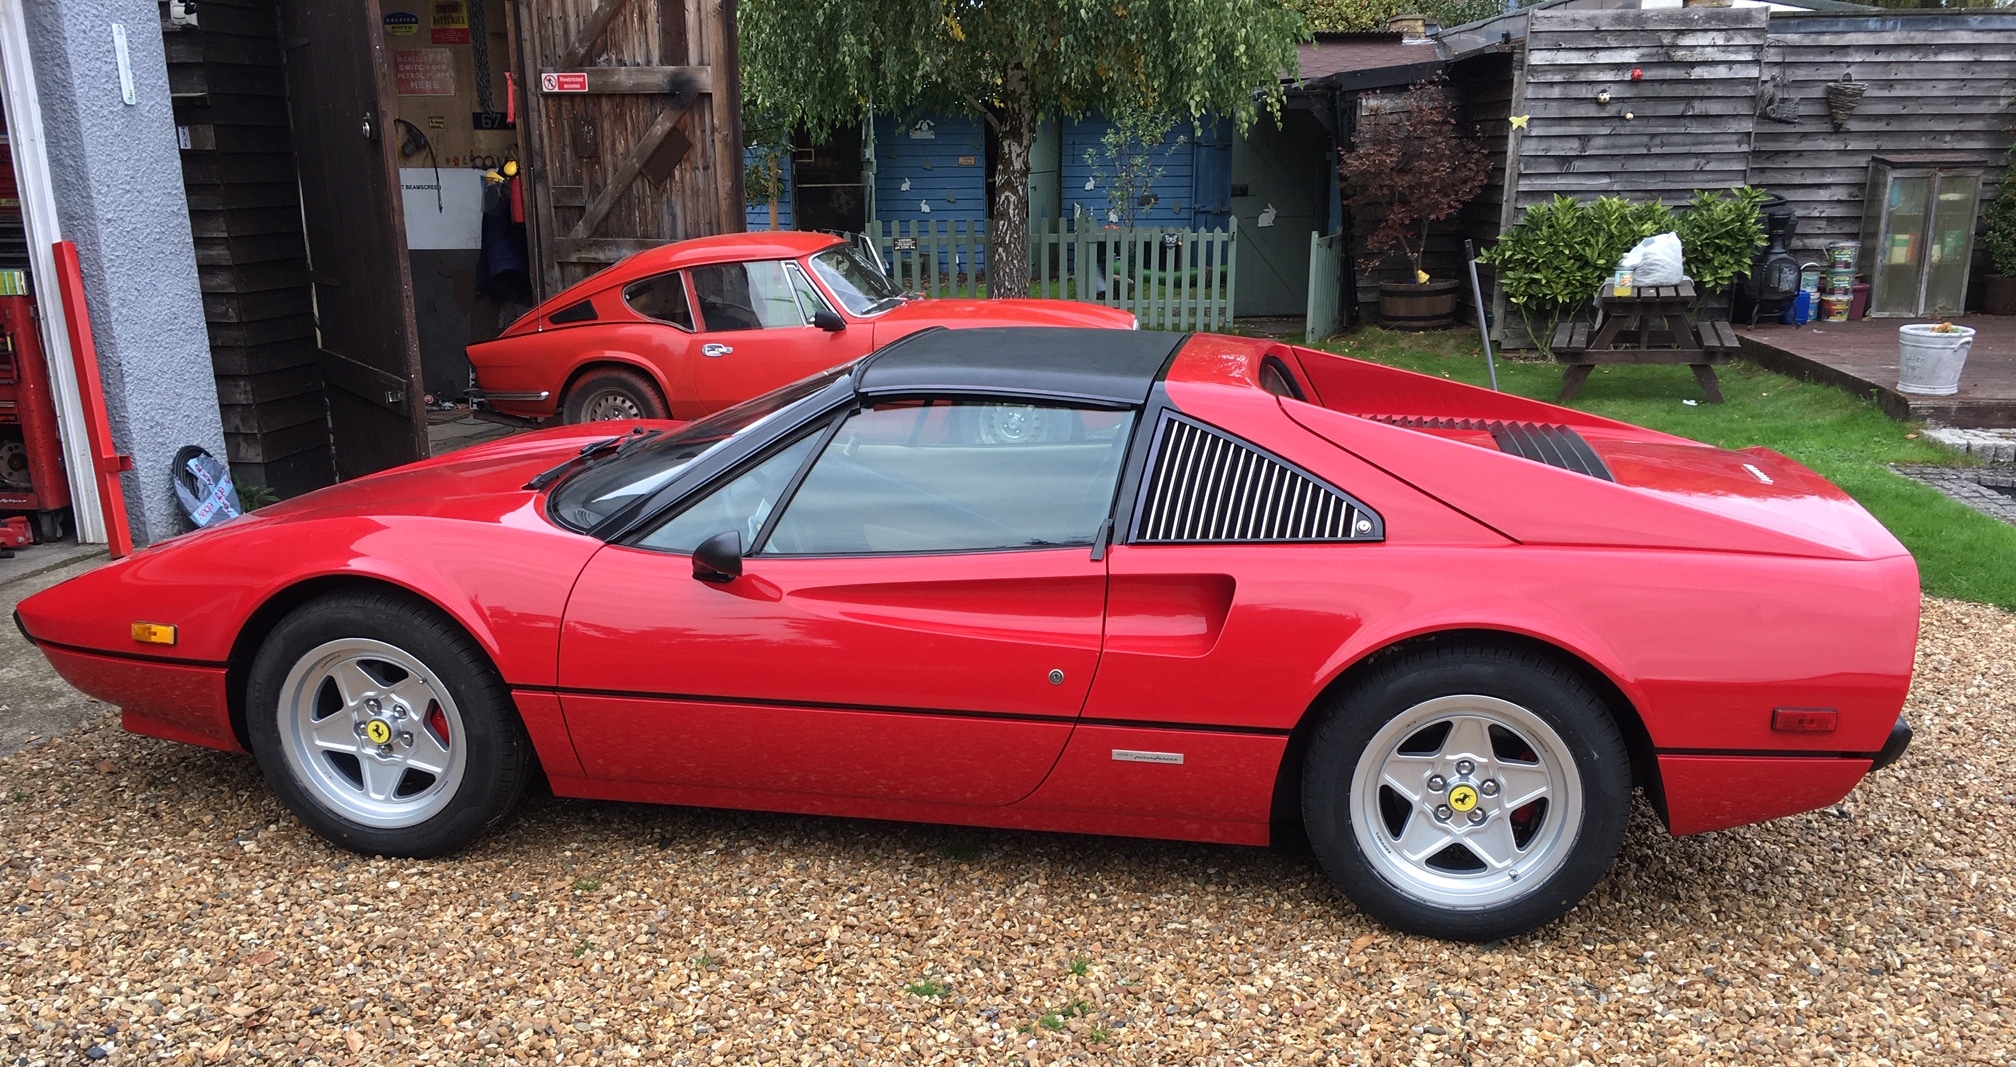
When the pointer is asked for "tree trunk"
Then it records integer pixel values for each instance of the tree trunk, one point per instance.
(1008, 260)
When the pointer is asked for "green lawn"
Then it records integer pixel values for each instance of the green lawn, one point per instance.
(1961, 552)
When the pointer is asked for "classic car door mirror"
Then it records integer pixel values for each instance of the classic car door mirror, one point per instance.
(719, 558)
(828, 320)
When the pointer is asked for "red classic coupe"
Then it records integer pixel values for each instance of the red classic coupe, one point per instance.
(1136, 583)
(685, 330)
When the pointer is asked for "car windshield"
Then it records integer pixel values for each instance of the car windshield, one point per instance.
(855, 280)
(600, 490)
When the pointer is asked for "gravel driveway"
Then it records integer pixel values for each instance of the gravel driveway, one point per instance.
(156, 904)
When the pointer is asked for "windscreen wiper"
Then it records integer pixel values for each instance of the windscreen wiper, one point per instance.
(591, 453)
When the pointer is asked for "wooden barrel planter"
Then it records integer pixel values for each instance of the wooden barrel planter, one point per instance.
(1415, 307)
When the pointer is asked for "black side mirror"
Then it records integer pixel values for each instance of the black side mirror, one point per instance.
(828, 320)
(719, 558)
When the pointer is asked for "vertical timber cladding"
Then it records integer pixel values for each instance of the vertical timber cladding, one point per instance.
(632, 131)
(1938, 81)
(1692, 110)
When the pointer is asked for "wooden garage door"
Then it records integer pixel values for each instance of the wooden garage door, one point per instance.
(339, 89)
(633, 128)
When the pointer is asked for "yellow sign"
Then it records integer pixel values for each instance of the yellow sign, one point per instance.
(1463, 798)
(379, 733)
(450, 22)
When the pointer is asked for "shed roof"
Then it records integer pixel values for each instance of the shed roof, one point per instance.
(1331, 54)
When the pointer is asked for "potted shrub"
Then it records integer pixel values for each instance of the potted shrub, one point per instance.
(1408, 167)
(1720, 233)
(1999, 288)
(1552, 262)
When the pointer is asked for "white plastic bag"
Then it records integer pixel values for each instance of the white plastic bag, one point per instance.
(1657, 260)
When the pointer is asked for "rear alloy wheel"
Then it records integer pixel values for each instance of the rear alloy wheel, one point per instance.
(383, 727)
(613, 393)
(1467, 793)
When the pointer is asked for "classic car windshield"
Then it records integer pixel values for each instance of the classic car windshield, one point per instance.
(601, 489)
(855, 281)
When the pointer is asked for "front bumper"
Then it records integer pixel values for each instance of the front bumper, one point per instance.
(1893, 749)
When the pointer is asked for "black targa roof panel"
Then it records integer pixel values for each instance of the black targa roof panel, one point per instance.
(1100, 366)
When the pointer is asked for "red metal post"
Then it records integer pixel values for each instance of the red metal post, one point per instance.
(106, 463)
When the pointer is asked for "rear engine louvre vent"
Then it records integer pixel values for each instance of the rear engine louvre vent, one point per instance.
(1205, 486)
(1556, 446)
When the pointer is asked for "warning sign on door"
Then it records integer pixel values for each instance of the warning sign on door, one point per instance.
(423, 72)
(450, 24)
(564, 81)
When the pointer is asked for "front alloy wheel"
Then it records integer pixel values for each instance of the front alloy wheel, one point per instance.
(372, 733)
(384, 727)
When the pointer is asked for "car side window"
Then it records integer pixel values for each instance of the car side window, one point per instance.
(745, 296)
(956, 477)
(661, 297)
(809, 300)
(742, 504)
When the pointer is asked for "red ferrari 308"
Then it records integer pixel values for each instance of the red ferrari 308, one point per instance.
(687, 329)
(1114, 582)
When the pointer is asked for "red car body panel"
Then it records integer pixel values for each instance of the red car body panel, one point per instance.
(173, 701)
(537, 355)
(917, 687)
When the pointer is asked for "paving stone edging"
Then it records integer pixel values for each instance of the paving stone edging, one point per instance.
(1988, 446)
(1968, 485)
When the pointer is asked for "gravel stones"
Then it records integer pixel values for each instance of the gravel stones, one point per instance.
(168, 910)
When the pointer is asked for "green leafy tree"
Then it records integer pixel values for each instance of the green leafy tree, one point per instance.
(820, 64)
(1126, 161)
(1360, 16)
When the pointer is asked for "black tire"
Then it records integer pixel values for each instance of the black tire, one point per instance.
(498, 757)
(613, 393)
(1411, 688)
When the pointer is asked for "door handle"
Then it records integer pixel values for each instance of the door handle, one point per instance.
(715, 350)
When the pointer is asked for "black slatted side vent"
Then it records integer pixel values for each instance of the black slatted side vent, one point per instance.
(581, 312)
(1541, 442)
(1205, 486)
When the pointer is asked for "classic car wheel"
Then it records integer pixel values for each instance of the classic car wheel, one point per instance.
(383, 727)
(1467, 793)
(613, 393)
(1016, 424)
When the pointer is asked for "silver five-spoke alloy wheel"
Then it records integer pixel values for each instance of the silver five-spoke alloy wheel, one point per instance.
(371, 733)
(1466, 801)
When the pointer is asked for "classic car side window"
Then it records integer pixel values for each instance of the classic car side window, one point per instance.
(662, 297)
(809, 300)
(744, 503)
(956, 477)
(745, 296)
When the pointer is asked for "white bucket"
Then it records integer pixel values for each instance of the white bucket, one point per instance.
(1929, 363)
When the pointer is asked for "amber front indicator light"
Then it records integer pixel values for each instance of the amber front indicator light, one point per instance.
(153, 633)
(1804, 720)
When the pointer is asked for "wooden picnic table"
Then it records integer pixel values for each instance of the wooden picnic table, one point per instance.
(1648, 326)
